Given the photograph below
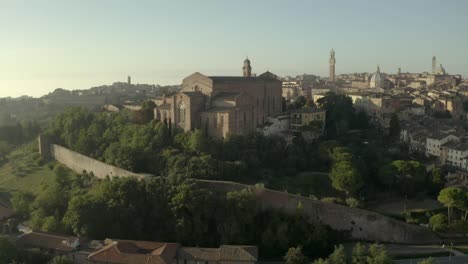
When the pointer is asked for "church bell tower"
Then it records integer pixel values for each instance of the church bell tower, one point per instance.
(247, 69)
(332, 66)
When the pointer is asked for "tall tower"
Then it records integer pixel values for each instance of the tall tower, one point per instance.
(332, 65)
(434, 65)
(129, 80)
(247, 69)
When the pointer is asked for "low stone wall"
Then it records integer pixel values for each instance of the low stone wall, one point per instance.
(361, 224)
(79, 163)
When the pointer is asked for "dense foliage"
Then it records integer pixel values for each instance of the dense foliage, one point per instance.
(361, 254)
(167, 209)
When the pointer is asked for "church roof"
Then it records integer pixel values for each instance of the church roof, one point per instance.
(192, 94)
(264, 77)
(227, 96)
(235, 79)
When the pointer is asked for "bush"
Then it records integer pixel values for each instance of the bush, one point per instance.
(353, 202)
(438, 222)
(335, 200)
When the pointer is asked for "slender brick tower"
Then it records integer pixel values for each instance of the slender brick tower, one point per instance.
(332, 66)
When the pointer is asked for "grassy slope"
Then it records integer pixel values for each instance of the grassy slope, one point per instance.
(22, 173)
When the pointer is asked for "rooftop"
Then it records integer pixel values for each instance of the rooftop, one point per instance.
(135, 252)
(308, 110)
(49, 241)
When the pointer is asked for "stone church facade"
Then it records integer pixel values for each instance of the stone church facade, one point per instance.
(222, 105)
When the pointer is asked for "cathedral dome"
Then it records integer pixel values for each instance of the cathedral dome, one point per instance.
(247, 61)
(377, 79)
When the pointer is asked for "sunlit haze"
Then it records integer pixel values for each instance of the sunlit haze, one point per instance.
(79, 44)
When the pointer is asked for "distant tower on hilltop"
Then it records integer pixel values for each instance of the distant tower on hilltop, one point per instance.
(434, 65)
(129, 80)
(332, 65)
(247, 69)
(399, 71)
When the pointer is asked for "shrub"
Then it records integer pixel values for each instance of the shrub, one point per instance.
(438, 222)
(353, 202)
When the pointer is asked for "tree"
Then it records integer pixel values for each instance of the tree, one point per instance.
(341, 115)
(378, 255)
(21, 203)
(394, 129)
(299, 102)
(359, 255)
(60, 260)
(438, 222)
(295, 256)
(8, 251)
(338, 256)
(408, 176)
(452, 197)
(428, 261)
(465, 106)
(437, 178)
(344, 175)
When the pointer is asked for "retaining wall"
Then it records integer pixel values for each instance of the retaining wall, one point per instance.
(79, 163)
(361, 224)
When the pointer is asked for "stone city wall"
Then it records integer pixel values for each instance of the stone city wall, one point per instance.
(79, 163)
(361, 224)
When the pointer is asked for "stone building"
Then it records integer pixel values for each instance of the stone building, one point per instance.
(222, 105)
(304, 116)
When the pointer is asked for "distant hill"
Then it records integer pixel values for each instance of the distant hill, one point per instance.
(28, 109)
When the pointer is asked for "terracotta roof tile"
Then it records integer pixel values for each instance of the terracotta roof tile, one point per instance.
(48, 241)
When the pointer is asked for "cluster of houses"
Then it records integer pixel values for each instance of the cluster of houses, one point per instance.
(110, 251)
(441, 139)
(117, 251)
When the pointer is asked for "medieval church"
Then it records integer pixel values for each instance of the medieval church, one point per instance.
(222, 105)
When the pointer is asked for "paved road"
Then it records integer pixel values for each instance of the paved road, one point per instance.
(443, 260)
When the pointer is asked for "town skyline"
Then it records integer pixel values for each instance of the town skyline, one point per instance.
(160, 43)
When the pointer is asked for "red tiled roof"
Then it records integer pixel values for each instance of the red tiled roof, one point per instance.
(135, 252)
(48, 241)
(224, 253)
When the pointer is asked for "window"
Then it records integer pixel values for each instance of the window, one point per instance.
(181, 112)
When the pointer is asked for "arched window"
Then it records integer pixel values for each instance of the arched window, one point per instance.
(181, 112)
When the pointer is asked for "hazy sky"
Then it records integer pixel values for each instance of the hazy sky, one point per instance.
(77, 44)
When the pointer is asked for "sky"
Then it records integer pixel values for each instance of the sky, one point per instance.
(49, 44)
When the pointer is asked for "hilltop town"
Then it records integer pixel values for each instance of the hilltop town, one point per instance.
(241, 169)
